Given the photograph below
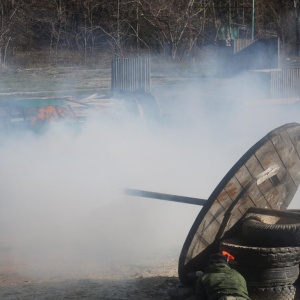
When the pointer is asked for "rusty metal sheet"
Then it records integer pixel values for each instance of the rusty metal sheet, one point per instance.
(278, 153)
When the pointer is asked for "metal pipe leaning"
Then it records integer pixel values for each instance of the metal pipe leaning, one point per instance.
(167, 197)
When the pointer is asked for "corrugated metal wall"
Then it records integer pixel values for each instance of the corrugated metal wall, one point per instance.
(130, 74)
(240, 44)
(244, 54)
(276, 83)
(285, 83)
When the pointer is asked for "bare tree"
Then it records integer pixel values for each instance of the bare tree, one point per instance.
(173, 28)
(122, 26)
(175, 25)
(14, 29)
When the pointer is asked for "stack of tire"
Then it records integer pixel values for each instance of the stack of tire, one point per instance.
(268, 256)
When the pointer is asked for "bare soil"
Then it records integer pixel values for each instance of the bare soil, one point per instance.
(142, 280)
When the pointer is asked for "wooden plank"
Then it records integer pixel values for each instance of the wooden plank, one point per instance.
(243, 176)
(217, 210)
(245, 203)
(288, 155)
(267, 189)
(294, 134)
(233, 189)
(268, 156)
(226, 197)
(202, 238)
(256, 199)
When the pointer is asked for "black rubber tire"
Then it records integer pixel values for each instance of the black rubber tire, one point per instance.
(258, 277)
(127, 106)
(294, 210)
(286, 292)
(272, 235)
(150, 107)
(247, 256)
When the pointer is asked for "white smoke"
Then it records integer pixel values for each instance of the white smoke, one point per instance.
(62, 200)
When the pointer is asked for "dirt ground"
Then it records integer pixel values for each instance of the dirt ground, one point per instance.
(143, 280)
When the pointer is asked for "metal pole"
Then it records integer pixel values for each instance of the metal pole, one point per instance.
(137, 26)
(160, 196)
(118, 27)
(253, 12)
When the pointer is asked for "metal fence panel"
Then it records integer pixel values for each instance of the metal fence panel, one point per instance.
(240, 44)
(285, 83)
(130, 74)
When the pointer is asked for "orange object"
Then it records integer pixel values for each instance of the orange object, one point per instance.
(228, 255)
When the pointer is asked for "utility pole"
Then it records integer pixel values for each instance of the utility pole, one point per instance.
(118, 27)
(253, 13)
(297, 32)
(137, 25)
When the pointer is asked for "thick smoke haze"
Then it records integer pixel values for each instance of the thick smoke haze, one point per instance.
(62, 200)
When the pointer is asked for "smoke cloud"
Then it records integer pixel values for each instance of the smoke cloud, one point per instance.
(62, 200)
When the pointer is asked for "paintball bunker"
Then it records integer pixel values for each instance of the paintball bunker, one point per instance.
(266, 176)
(260, 187)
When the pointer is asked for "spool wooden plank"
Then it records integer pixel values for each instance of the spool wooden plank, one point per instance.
(232, 189)
(274, 162)
(285, 188)
(266, 187)
(225, 199)
(200, 239)
(294, 138)
(288, 155)
(217, 210)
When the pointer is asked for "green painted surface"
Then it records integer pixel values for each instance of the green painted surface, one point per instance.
(28, 103)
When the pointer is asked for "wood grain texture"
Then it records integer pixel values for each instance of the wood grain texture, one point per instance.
(280, 147)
